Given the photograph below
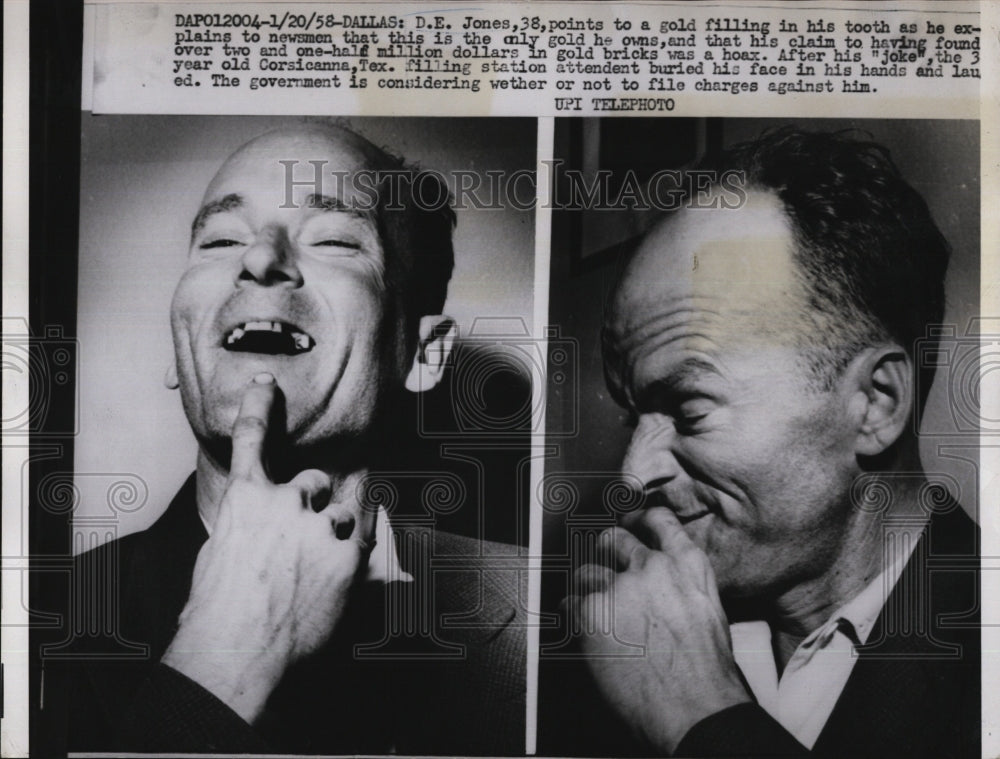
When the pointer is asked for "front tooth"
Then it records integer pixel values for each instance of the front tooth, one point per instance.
(276, 326)
(257, 325)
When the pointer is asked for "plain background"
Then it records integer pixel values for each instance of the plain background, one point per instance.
(142, 179)
(939, 158)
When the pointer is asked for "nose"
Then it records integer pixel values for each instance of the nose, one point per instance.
(271, 261)
(649, 458)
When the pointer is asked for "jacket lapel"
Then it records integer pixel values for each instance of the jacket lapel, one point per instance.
(910, 690)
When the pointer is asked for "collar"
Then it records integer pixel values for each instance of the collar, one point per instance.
(383, 562)
(855, 619)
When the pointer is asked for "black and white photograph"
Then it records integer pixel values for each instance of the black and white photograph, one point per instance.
(297, 507)
(563, 379)
(761, 536)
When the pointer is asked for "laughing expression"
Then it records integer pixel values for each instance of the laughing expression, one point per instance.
(729, 432)
(295, 289)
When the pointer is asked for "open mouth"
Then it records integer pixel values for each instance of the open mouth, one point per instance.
(270, 337)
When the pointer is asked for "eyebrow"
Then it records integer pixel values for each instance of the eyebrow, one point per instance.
(330, 203)
(325, 202)
(690, 367)
(677, 375)
(223, 204)
(235, 200)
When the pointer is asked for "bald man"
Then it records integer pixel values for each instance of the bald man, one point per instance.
(279, 609)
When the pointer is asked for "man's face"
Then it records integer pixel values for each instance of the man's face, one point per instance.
(298, 291)
(729, 432)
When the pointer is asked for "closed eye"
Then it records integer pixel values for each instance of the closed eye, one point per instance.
(690, 412)
(223, 242)
(337, 244)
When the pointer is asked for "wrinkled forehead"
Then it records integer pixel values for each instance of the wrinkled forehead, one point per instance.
(293, 163)
(732, 269)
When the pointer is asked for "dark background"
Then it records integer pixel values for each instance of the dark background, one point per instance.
(939, 158)
(55, 49)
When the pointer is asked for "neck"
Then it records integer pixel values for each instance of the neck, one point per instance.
(213, 477)
(860, 557)
(210, 484)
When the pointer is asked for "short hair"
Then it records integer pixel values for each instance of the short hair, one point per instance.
(404, 218)
(870, 256)
(425, 229)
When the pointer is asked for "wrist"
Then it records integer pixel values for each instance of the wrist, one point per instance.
(241, 677)
(667, 734)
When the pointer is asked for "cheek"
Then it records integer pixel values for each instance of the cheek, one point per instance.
(374, 339)
(352, 292)
(747, 472)
(198, 294)
(791, 481)
(182, 331)
(726, 461)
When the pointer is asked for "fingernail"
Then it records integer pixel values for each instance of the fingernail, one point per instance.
(264, 378)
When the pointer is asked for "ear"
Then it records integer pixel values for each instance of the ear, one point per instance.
(882, 397)
(170, 380)
(436, 338)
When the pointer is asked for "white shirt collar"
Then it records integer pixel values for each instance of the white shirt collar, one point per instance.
(805, 695)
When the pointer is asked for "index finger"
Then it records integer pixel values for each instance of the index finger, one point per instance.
(250, 428)
(659, 528)
(623, 548)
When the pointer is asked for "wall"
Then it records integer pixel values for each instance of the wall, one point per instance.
(142, 178)
(939, 158)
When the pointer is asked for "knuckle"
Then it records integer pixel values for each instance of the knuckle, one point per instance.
(639, 555)
(237, 485)
(249, 425)
(288, 496)
(658, 519)
(317, 479)
(690, 555)
(241, 489)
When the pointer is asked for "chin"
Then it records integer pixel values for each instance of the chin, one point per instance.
(738, 590)
(327, 434)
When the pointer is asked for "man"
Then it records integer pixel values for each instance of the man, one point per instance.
(793, 585)
(274, 607)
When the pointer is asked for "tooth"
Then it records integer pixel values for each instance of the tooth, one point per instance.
(236, 334)
(301, 341)
(276, 326)
(254, 326)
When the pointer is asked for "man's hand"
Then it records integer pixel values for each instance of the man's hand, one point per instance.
(272, 581)
(658, 593)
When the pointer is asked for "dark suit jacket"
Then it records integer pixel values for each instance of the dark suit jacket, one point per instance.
(914, 692)
(442, 673)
